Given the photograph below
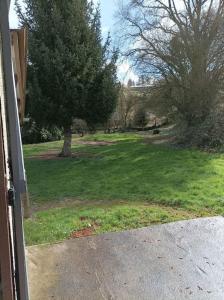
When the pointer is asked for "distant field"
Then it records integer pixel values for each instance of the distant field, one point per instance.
(117, 182)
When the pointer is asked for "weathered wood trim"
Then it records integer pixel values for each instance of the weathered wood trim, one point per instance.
(16, 154)
(19, 57)
(5, 244)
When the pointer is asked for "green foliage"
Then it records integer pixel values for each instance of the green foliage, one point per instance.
(209, 134)
(33, 134)
(70, 73)
(104, 93)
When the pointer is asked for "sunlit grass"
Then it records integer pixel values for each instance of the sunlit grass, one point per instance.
(57, 224)
(127, 169)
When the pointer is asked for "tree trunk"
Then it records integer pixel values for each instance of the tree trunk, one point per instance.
(67, 147)
(125, 121)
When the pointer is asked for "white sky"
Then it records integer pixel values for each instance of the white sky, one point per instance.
(13, 20)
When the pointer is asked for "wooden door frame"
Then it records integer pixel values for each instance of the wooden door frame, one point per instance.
(5, 242)
(17, 178)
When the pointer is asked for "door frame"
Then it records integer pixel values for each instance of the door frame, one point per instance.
(16, 161)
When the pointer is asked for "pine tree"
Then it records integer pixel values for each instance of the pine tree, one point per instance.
(71, 73)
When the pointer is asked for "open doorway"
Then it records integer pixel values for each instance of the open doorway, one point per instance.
(134, 140)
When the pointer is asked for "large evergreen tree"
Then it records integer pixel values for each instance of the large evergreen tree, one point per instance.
(71, 73)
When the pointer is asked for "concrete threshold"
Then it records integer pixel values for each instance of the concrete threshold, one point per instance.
(182, 260)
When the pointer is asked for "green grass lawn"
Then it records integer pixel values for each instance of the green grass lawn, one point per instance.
(126, 184)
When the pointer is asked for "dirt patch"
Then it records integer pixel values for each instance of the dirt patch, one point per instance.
(63, 203)
(96, 143)
(159, 140)
(83, 233)
(54, 155)
(74, 202)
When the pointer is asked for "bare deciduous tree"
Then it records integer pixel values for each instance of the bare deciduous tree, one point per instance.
(181, 43)
(128, 100)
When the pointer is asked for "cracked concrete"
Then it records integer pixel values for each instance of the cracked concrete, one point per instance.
(183, 260)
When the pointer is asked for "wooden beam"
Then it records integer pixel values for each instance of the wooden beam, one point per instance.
(19, 56)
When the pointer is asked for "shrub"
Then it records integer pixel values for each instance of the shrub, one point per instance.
(79, 126)
(33, 134)
(208, 135)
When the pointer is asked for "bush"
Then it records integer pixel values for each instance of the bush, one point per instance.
(34, 134)
(79, 126)
(208, 135)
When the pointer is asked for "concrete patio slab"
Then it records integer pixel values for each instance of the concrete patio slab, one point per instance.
(183, 260)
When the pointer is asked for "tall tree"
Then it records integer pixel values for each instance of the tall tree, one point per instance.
(181, 44)
(71, 73)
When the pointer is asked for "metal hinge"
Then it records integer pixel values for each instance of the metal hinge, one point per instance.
(11, 196)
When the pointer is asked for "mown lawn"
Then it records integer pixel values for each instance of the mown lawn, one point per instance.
(127, 183)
